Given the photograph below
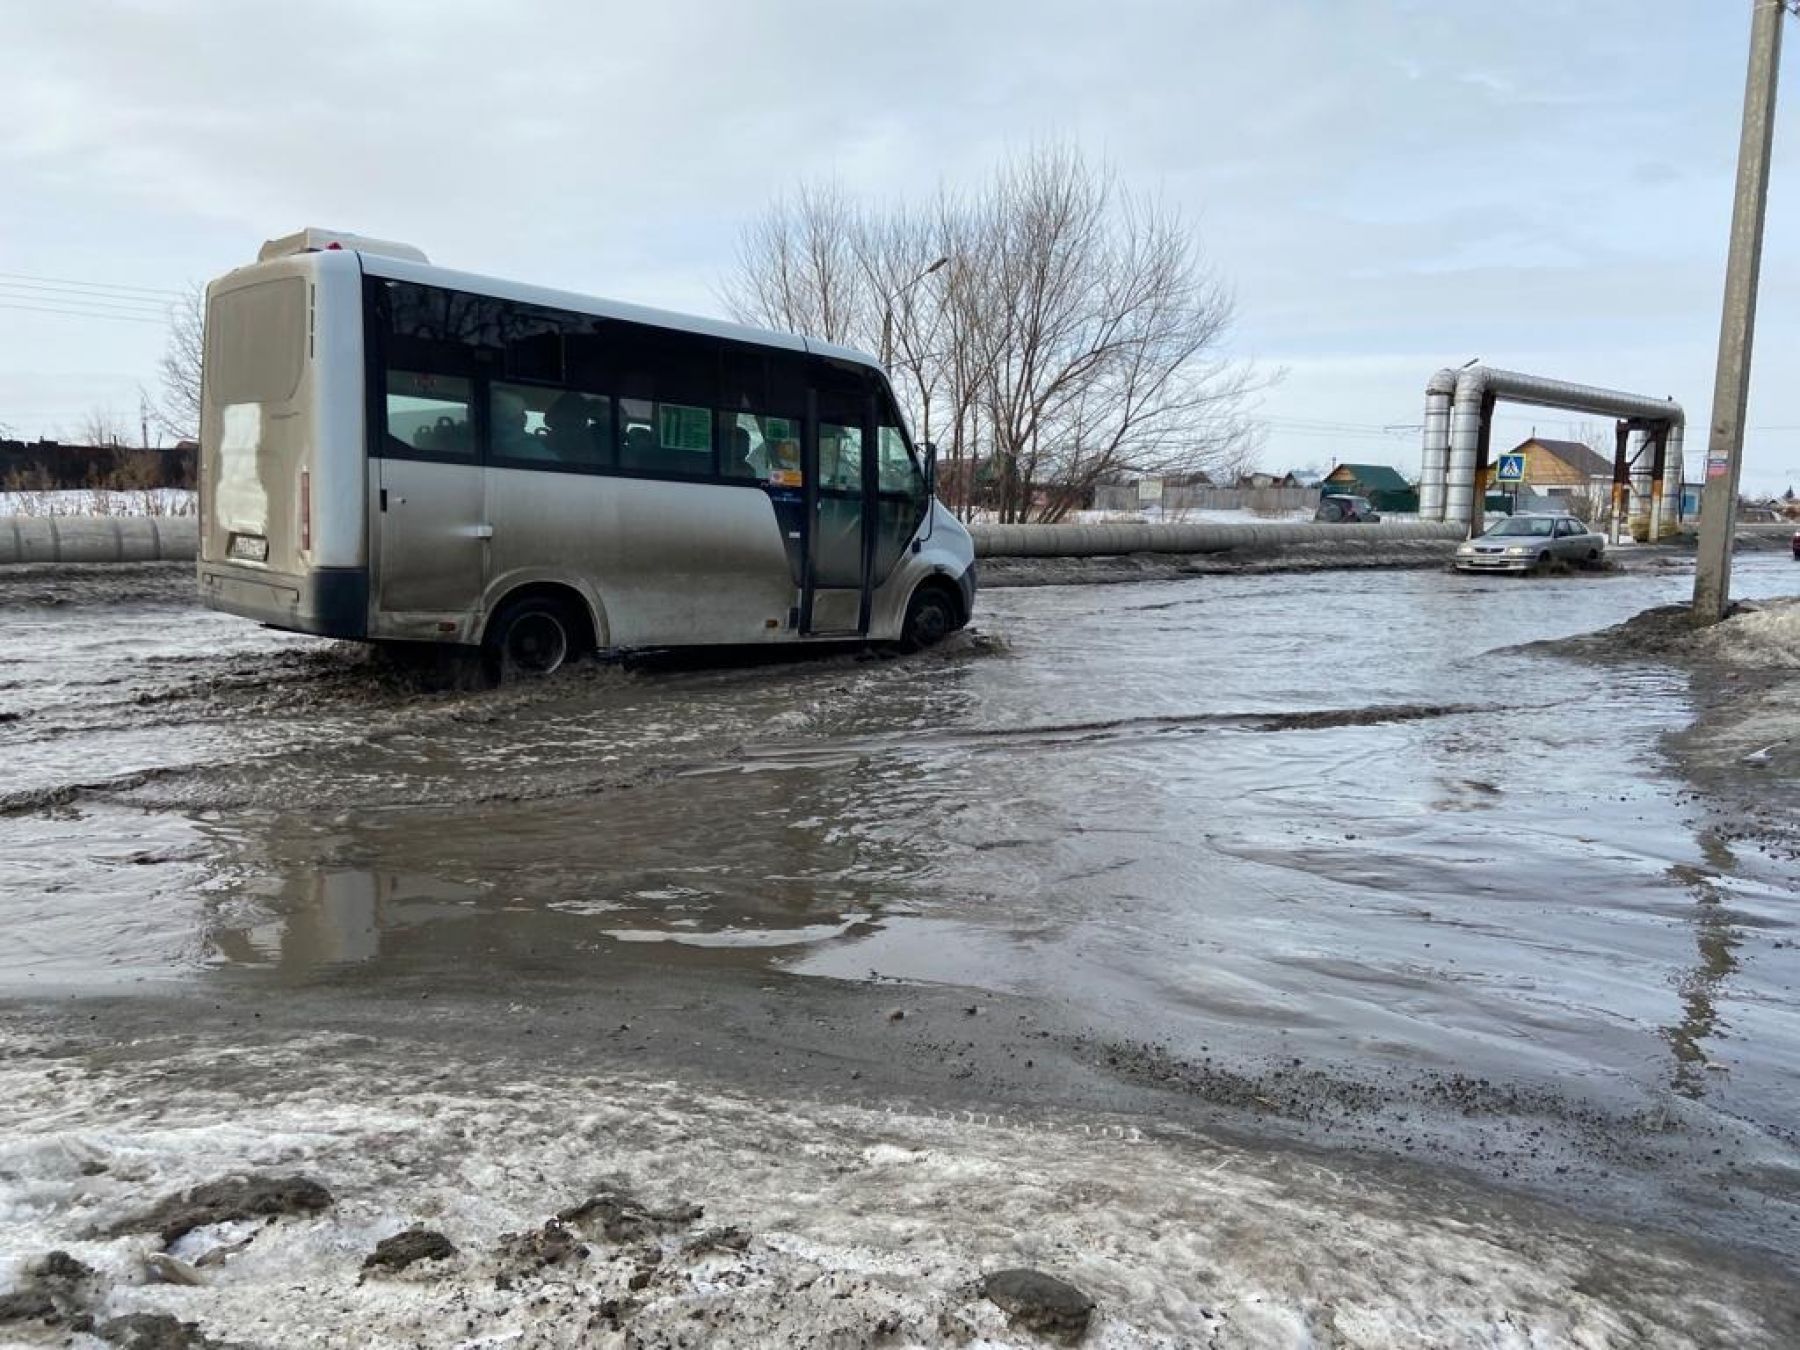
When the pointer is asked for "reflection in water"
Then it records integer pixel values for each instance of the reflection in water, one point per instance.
(1717, 940)
(730, 860)
(334, 916)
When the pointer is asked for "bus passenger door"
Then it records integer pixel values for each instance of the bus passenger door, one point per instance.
(835, 596)
(429, 510)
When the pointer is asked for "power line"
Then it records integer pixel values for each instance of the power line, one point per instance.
(1363, 431)
(35, 290)
(92, 285)
(85, 306)
(122, 317)
(1327, 423)
(156, 313)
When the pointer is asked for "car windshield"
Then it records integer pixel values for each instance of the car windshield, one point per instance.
(1538, 526)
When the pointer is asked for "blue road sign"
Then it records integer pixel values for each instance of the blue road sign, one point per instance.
(1512, 469)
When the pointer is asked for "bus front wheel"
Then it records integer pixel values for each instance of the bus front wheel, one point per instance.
(930, 618)
(529, 637)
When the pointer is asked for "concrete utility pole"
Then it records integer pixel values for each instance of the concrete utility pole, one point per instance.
(1731, 383)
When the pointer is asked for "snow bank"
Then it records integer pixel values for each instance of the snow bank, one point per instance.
(866, 1226)
(101, 502)
(1765, 639)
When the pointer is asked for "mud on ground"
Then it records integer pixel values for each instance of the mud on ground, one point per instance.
(1350, 556)
(885, 961)
(46, 585)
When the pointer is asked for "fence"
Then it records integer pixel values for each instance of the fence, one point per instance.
(1124, 497)
(49, 466)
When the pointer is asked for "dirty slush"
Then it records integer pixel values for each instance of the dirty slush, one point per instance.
(1232, 960)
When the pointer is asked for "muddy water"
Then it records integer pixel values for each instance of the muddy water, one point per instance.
(1223, 825)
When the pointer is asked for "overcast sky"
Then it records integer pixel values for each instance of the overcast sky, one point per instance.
(1390, 185)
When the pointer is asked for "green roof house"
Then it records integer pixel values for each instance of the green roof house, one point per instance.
(1385, 487)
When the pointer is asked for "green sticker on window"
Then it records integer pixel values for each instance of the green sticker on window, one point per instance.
(683, 428)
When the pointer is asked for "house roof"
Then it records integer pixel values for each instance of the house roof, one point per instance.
(1579, 457)
(1375, 477)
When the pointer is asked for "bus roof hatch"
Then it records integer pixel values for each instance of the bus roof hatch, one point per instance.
(313, 240)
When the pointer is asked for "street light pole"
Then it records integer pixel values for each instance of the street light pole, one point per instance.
(1737, 326)
(887, 313)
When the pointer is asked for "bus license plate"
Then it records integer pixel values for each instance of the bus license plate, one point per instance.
(248, 548)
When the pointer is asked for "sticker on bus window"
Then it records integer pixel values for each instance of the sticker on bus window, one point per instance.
(781, 443)
(684, 428)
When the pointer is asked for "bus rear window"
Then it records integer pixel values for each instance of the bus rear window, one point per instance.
(255, 342)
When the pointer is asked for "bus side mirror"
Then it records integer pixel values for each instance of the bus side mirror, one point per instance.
(930, 468)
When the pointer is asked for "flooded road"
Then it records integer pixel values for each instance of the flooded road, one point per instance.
(1332, 858)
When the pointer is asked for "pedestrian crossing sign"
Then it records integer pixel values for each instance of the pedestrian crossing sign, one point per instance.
(1512, 469)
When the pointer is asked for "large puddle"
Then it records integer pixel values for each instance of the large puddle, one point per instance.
(1332, 816)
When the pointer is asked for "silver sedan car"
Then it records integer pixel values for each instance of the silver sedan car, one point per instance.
(1526, 543)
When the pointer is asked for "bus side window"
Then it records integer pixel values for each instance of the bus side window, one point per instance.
(760, 449)
(429, 415)
(537, 426)
(671, 438)
(896, 469)
(579, 427)
(840, 457)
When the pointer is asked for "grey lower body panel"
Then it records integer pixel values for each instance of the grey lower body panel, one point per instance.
(966, 584)
(328, 601)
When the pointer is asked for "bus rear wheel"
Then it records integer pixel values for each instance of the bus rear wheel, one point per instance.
(529, 638)
(930, 618)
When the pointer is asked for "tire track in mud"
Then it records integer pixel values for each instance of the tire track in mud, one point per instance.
(403, 787)
(327, 716)
(1120, 728)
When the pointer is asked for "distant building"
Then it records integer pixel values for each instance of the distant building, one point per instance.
(1558, 469)
(1193, 478)
(1385, 486)
(1267, 480)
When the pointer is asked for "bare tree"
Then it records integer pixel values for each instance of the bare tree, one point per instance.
(177, 405)
(102, 426)
(1103, 335)
(1239, 455)
(1074, 334)
(1592, 502)
(958, 357)
(900, 255)
(799, 270)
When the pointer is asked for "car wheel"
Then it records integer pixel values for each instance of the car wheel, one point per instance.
(529, 638)
(930, 618)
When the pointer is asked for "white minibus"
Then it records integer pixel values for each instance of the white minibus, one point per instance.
(392, 451)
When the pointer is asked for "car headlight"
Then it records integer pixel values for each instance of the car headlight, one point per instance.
(1518, 550)
(1465, 550)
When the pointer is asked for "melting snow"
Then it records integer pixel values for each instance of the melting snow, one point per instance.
(867, 1224)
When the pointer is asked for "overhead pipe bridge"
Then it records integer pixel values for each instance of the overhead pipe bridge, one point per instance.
(1459, 419)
